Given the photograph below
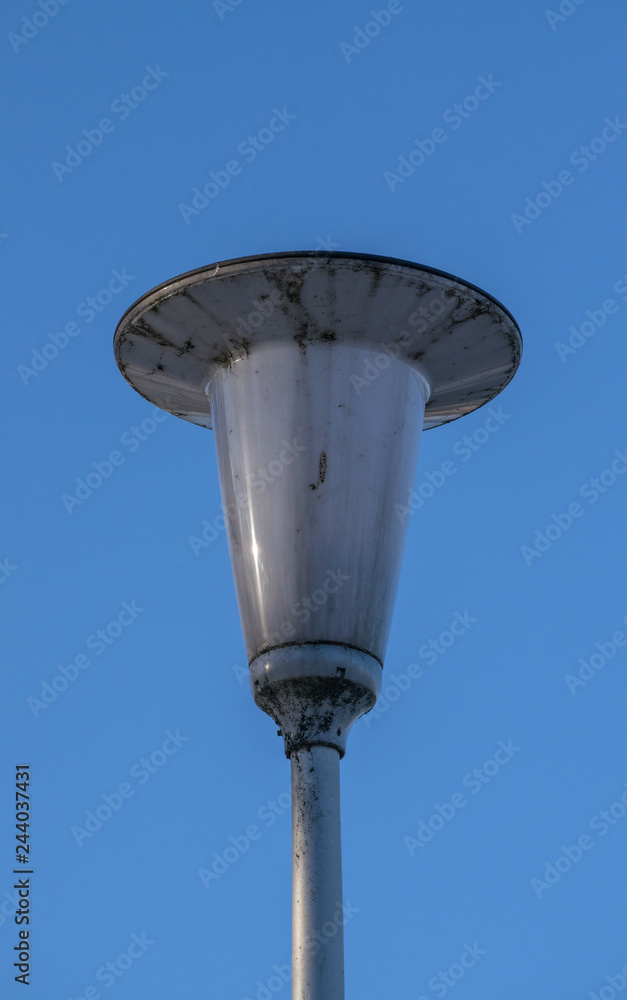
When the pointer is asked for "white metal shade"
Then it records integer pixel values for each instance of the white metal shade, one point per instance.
(310, 473)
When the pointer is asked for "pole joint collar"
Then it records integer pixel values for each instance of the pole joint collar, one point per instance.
(315, 691)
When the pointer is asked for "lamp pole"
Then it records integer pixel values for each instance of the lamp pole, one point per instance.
(318, 372)
(316, 873)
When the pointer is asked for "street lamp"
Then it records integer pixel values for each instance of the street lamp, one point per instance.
(317, 371)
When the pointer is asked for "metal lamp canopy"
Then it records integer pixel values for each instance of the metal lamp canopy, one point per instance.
(171, 341)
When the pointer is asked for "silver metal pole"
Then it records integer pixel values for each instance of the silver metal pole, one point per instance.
(317, 914)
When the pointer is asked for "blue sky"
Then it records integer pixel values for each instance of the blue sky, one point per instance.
(522, 193)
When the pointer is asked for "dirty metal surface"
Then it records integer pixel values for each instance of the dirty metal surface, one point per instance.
(171, 342)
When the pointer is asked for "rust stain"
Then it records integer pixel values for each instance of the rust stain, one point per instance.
(322, 471)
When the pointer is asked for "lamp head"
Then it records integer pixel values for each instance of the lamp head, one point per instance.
(318, 372)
